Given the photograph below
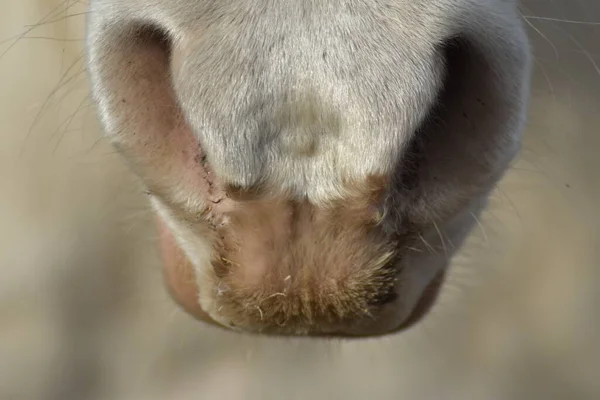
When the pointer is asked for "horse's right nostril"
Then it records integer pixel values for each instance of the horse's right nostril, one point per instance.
(129, 67)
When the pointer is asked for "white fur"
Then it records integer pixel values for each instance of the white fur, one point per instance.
(70, 215)
(259, 82)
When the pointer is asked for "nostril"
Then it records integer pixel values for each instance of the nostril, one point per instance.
(127, 47)
(130, 68)
(151, 37)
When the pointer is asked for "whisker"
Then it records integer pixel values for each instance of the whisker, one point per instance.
(56, 10)
(429, 246)
(485, 237)
(69, 120)
(38, 116)
(49, 38)
(63, 18)
(556, 55)
(441, 238)
(566, 21)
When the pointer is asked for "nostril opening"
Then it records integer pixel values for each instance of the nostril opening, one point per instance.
(140, 46)
(151, 36)
(454, 52)
(129, 49)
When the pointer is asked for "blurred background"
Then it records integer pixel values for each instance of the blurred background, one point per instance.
(83, 311)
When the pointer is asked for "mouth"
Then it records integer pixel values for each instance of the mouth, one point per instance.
(181, 283)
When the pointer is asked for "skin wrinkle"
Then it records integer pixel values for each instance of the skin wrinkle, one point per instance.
(314, 166)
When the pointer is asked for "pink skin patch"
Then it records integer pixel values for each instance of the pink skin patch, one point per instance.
(178, 273)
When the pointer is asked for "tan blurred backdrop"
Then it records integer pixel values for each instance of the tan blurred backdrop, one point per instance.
(83, 314)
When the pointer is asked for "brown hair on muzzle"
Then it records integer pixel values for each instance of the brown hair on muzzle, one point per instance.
(289, 266)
